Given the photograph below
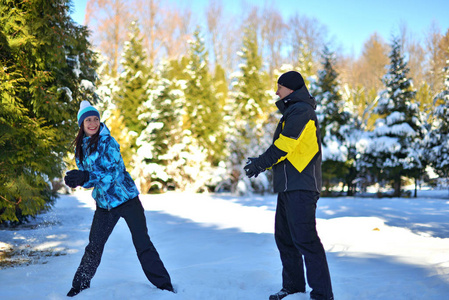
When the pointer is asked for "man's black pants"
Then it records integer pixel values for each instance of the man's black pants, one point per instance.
(102, 226)
(296, 237)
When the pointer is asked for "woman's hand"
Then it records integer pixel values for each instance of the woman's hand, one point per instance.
(76, 178)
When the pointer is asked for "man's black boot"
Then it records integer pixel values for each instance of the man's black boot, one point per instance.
(281, 294)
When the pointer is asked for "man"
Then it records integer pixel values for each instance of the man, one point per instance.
(295, 157)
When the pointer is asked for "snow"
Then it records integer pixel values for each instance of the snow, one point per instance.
(67, 91)
(395, 117)
(218, 246)
(76, 65)
(334, 150)
(402, 129)
(384, 144)
(87, 85)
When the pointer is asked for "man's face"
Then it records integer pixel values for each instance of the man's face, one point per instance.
(283, 92)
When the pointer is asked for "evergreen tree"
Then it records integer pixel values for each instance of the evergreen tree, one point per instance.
(334, 119)
(251, 106)
(204, 112)
(305, 63)
(438, 138)
(252, 82)
(221, 85)
(361, 120)
(221, 89)
(394, 150)
(250, 111)
(165, 113)
(133, 81)
(46, 69)
(331, 106)
(173, 155)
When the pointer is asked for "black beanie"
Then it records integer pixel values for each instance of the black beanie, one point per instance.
(292, 80)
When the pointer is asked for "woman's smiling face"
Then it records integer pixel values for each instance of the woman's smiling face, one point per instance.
(91, 125)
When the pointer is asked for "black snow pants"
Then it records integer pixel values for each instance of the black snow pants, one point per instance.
(297, 238)
(102, 225)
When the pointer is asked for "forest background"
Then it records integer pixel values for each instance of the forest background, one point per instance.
(188, 102)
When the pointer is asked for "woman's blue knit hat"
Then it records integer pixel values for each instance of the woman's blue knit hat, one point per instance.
(86, 110)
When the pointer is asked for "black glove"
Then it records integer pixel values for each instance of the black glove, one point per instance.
(252, 167)
(75, 178)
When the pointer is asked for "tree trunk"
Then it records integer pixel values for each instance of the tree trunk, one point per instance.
(416, 188)
(397, 186)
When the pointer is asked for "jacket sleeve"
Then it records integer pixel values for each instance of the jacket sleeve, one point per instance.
(295, 121)
(106, 165)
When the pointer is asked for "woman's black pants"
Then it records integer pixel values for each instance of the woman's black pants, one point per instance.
(102, 226)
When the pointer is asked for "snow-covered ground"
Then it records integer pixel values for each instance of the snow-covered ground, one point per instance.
(222, 247)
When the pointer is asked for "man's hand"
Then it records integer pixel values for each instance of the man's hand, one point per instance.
(252, 168)
(75, 178)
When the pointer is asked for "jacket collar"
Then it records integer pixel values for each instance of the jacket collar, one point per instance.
(301, 95)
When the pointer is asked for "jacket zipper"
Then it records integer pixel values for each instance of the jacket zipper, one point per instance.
(123, 188)
(107, 202)
(89, 167)
(285, 174)
(104, 199)
(315, 179)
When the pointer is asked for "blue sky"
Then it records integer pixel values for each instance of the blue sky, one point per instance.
(349, 22)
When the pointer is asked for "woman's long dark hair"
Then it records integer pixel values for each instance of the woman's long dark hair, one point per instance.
(78, 142)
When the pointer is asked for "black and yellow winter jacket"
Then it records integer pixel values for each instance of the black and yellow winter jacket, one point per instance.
(295, 154)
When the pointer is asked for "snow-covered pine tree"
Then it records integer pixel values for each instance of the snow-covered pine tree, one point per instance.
(251, 107)
(221, 85)
(46, 69)
(161, 142)
(438, 138)
(331, 106)
(221, 90)
(132, 82)
(183, 143)
(334, 119)
(394, 150)
(165, 111)
(204, 110)
(305, 63)
(353, 132)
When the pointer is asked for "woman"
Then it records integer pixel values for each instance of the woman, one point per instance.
(100, 166)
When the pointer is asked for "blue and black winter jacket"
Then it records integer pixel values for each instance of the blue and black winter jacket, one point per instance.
(107, 173)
